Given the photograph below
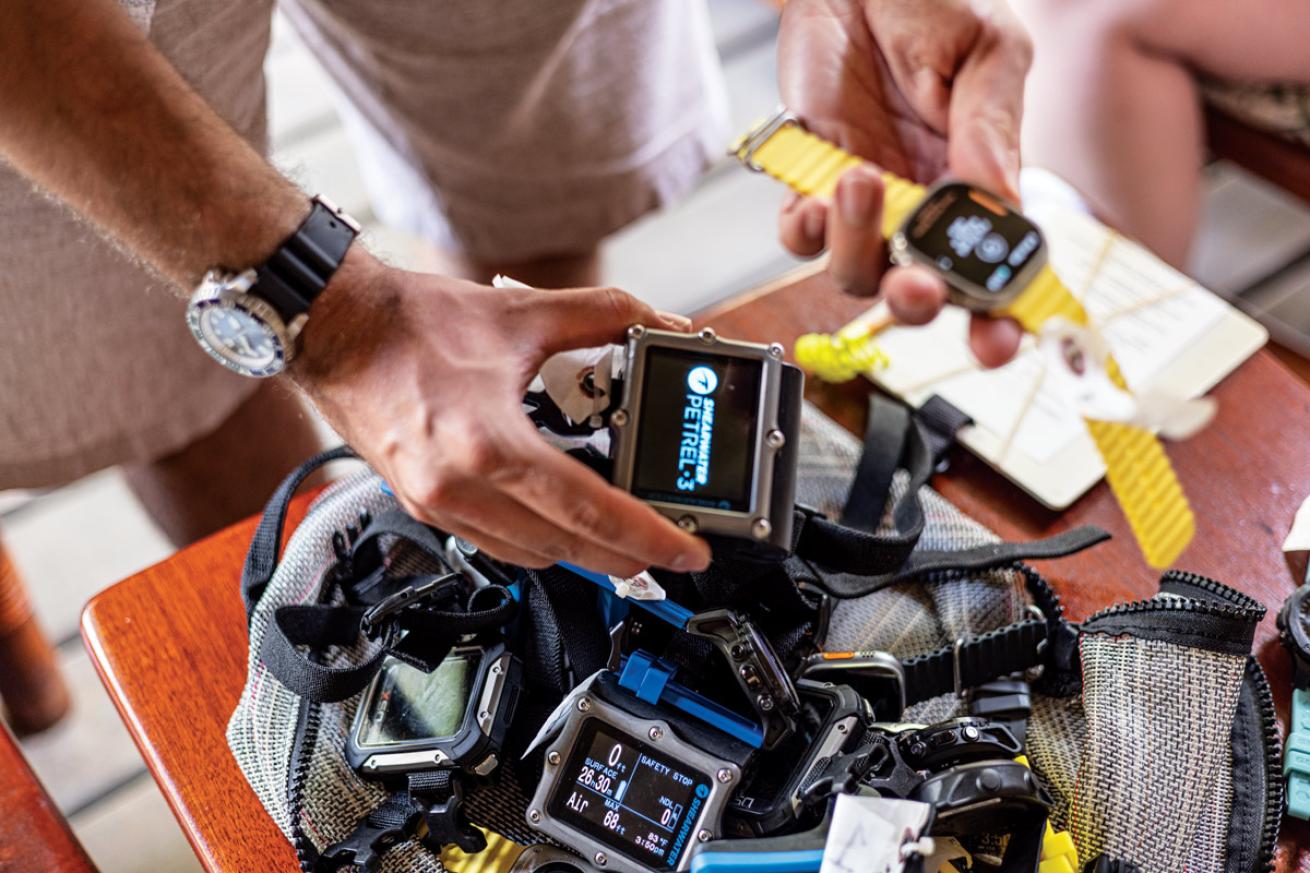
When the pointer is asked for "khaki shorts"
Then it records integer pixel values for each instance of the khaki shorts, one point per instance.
(505, 128)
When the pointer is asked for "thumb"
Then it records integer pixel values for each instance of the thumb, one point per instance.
(986, 109)
(584, 317)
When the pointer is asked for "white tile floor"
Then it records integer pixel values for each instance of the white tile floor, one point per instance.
(74, 541)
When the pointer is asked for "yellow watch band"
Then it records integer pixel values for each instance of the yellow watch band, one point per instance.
(811, 166)
(1137, 468)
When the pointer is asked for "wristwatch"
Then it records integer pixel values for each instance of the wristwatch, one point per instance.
(249, 321)
(993, 260)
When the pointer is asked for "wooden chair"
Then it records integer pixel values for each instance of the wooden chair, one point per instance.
(33, 835)
(31, 686)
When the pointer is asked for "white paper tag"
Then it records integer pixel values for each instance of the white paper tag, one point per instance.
(1076, 362)
(640, 587)
(867, 833)
(1298, 538)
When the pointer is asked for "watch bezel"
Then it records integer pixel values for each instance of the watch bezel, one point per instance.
(232, 291)
(963, 292)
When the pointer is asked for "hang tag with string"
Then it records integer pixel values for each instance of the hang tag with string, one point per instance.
(1076, 361)
(875, 834)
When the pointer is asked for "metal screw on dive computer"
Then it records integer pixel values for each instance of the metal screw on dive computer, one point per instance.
(636, 332)
(553, 759)
(724, 775)
(619, 418)
(534, 816)
(776, 350)
(687, 523)
(601, 859)
(656, 734)
(708, 335)
(970, 732)
(584, 705)
(761, 528)
(775, 439)
(765, 702)
(704, 836)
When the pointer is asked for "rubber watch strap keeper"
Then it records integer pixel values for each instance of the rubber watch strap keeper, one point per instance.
(300, 269)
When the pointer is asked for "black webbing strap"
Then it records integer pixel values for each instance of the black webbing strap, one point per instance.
(943, 421)
(975, 661)
(262, 557)
(884, 443)
(316, 627)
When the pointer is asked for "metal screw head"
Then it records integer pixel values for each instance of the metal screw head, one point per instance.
(601, 859)
(619, 418)
(841, 727)
(687, 523)
(724, 775)
(584, 705)
(760, 528)
(775, 439)
(656, 734)
(970, 732)
(776, 350)
(704, 836)
(534, 816)
(765, 702)
(708, 335)
(553, 758)
(484, 715)
(635, 332)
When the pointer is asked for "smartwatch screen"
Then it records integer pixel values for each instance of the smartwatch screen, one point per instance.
(697, 426)
(970, 234)
(409, 705)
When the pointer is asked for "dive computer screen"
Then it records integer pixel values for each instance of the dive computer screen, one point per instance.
(626, 795)
(408, 704)
(971, 234)
(697, 429)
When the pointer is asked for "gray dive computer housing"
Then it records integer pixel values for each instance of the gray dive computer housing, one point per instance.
(706, 432)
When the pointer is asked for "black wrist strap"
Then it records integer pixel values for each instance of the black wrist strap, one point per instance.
(301, 267)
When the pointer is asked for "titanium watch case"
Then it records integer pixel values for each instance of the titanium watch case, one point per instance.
(474, 748)
(724, 776)
(962, 291)
(767, 518)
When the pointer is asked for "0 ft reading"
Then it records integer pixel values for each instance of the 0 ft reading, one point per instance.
(628, 796)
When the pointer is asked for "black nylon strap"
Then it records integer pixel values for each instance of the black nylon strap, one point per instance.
(316, 627)
(262, 557)
(943, 421)
(975, 661)
(884, 442)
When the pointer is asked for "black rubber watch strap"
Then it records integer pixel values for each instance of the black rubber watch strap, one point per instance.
(301, 267)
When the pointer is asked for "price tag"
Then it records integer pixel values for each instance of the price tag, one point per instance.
(867, 833)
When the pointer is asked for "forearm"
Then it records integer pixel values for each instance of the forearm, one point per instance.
(93, 114)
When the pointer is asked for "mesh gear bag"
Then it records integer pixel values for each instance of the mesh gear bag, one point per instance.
(1151, 725)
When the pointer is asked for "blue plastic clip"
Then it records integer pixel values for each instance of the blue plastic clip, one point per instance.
(1296, 756)
(650, 679)
(665, 610)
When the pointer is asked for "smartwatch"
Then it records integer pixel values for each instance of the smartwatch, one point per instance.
(249, 321)
(994, 260)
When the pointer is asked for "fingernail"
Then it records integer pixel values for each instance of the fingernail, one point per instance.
(855, 198)
(687, 562)
(814, 222)
(675, 321)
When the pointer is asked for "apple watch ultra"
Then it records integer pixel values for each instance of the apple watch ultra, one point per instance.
(994, 260)
(248, 321)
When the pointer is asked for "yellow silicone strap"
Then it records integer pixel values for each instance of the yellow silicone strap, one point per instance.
(498, 857)
(811, 166)
(1046, 297)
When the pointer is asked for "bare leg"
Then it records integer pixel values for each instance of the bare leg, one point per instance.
(1113, 104)
(229, 474)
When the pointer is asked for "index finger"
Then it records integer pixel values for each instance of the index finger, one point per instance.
(986, 107)
(577, 499)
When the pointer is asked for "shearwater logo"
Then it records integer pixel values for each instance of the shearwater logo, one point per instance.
(697, 429)
(702, 380)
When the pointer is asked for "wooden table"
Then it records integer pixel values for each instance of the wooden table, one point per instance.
(170, 642)
(33, 835)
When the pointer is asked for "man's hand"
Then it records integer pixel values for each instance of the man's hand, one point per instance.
(922, 88)
(425, 377)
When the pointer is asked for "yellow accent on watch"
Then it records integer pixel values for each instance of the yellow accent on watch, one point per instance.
(1137, 469)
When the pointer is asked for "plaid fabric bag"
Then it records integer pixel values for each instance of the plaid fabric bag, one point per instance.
(1151, 724)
